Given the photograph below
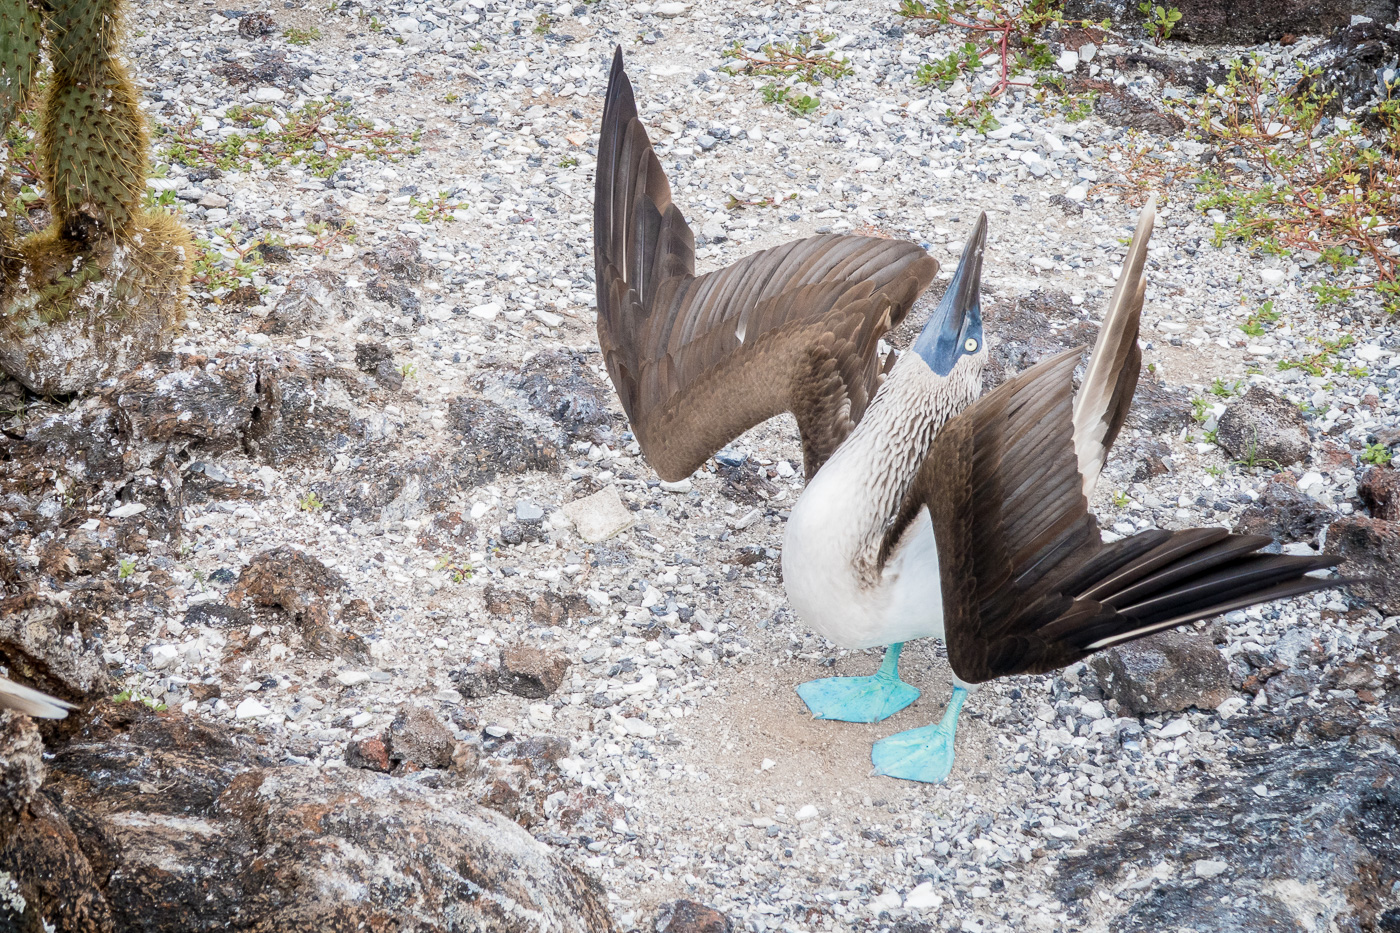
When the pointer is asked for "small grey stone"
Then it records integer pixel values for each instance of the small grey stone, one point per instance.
(527, 513)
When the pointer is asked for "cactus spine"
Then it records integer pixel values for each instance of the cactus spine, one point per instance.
(107, 273)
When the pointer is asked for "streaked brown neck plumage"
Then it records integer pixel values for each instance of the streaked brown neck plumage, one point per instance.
(867, 481)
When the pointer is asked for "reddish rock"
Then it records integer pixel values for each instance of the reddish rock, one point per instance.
(164, 824)
(312, 594)
(685, 916)
(532, 672)
(1379, 488)
(370, 754)
(1371, 550)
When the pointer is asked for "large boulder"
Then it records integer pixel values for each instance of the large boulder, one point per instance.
(1261, 428)
(1285, 513)
(1240, 22)
(162, 823)
(1164, 673)
(1300, 834)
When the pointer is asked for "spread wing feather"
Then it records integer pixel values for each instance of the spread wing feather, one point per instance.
(1028, 584)
(31, 702)
(1111, 378)
(698, 360)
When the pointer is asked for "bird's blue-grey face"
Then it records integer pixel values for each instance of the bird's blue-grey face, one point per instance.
(954, 330)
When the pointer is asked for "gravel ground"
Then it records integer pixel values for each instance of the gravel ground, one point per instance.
(678, 704)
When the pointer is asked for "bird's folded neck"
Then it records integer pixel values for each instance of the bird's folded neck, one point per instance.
(869, 478)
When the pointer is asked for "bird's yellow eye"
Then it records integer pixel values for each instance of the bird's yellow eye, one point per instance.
(970, 346)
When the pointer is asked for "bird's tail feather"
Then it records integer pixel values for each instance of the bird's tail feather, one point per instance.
(1183, 577)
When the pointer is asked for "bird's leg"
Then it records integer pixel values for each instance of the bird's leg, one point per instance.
(921, 754)
(860, 699)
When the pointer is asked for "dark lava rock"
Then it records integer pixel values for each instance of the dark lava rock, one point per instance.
(418, 738)
(189, 400)
(1346, 65)
(311, 300)
(396, 294)
(1159, 408)
(497, 441)
(369, 754)
(1371, 549)
(53, 646)
(1261, 427)
(1240, 22)
(685, 916)
(1034, 327)
(268, 69)
(303, 412)
(312, 594)
(399, 259)
(1072, 208)
(21, 769)
(477, 679)
(391, 490)
(1164, 673)
(1145, 459)
(1309, 834)
(559, 385)
(378, 360)
(1290, 684)
(1379, 488)
(547, 608)
(1285, 513)
(256, 25)
(1122, 107)
(532, 672)
(159, 823)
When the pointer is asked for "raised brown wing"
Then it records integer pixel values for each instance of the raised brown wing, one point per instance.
(698, 361)
(1028, 585)
(1111, 377)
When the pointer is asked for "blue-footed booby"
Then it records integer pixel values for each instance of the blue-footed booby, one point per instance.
(928, 512)
(31, 702)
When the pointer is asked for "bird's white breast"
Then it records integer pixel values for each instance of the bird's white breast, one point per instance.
(823, 577)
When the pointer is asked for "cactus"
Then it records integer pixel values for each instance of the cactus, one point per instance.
(104, 284)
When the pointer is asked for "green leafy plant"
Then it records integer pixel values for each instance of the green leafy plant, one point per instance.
(543, 24)
(1376, 454)
(1215, 469)
(297, 36)
(1294, 184)
(310, 502)
(1254, 325)
(1120, 499)
(1011, 34)
(568, 162)
(408, 371)
(436, 208)
(1222, 389)
(802, 59)
(798, 104)
(131, 696)
(1160, 20)
(1324, 360)
(126, 567)
(458, 571)
(320, 136)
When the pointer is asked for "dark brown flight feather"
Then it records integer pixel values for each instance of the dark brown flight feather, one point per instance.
(1028, 585)
(699, 360)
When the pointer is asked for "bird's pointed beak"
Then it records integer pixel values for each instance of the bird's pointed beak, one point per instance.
(955, 327)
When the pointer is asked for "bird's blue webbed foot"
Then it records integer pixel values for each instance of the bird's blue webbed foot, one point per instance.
(921, 754)
(860, 699)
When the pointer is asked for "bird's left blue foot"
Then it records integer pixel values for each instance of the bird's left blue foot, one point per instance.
(860, 699)
(924, 754)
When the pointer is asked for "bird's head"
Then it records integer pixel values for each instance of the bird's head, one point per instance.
(951, 342)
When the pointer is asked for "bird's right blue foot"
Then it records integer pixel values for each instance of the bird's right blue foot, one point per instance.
(860, 699)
